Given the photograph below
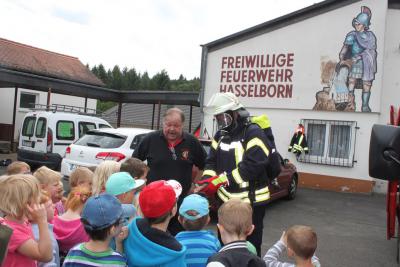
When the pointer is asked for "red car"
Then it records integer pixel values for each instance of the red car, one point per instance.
(285, 188)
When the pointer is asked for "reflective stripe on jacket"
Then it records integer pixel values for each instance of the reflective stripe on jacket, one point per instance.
(243, 158)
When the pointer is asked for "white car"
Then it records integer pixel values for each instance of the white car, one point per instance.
(99, 145)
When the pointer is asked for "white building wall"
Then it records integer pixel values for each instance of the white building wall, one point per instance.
(313, 41)
(391, 68)
(7, 104)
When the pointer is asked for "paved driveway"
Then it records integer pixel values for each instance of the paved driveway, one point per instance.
(351, 228)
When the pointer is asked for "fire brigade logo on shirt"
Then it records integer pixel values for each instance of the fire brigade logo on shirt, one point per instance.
(185, 154)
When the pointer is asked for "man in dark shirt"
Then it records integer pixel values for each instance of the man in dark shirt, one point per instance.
(171, 154)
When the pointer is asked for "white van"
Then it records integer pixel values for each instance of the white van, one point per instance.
(44, 135)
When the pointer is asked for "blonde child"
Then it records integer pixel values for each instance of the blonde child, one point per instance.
(235, 225)
(49, 206)
(68, 228)
(81, 176)
(300, 242)
(19, 198)
(18, 167)
(59, 206)
(50, 181)
(101, 174)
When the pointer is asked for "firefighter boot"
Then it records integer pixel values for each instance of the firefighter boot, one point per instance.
(365, 100)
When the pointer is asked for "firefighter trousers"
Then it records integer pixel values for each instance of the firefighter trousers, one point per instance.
(258, 220)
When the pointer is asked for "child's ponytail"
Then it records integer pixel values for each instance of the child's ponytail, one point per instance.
(77, 197)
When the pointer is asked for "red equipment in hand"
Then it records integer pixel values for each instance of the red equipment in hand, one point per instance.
(213, 184)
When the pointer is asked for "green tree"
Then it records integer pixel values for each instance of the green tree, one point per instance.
(130, 79)
(102, 106)
(124, 79)
(133, 79)
(95, 71)
(181, 78)
(116, 74)
(145, 82)
(102, 74)
(161, 81)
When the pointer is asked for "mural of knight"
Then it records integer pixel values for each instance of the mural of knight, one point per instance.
(356, 69)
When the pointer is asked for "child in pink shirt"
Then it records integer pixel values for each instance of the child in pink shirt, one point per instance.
(19, 198)
(68, 228)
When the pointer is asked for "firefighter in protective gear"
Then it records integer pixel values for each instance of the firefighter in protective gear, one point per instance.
(298, 144)
(235, 167)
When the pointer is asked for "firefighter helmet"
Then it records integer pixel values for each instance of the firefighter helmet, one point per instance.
(223, 105)
(223, 102)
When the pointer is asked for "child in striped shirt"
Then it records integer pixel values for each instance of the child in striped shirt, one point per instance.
(102, 220)
(200, 244)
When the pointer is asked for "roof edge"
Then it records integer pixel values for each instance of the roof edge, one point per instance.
(100, 84)
(50, 78)
(38, 49)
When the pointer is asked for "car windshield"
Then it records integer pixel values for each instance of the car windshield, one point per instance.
(101, 140)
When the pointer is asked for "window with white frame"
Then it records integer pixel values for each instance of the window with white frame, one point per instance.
(330, 142)
(27, 100)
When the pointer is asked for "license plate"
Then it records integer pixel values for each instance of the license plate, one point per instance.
(27, 143)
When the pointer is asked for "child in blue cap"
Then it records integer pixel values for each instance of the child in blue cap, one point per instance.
(101, 218)
(123, 186)
(200, 244)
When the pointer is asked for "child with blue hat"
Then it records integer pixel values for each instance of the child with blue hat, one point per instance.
(101, 218)
(124, 187)
(200, 244)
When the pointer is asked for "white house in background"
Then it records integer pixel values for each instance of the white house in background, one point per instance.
(307, 67)
(35, 63)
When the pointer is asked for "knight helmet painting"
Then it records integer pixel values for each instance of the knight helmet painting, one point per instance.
(356, 69)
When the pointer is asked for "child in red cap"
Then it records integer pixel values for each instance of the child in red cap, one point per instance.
(148, 242)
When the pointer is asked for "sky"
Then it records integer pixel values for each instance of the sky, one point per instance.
(149, 35)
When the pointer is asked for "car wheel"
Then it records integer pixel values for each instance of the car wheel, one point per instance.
(292, 190)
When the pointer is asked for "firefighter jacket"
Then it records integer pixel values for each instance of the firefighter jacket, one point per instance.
(242, 155)
(298, 144)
